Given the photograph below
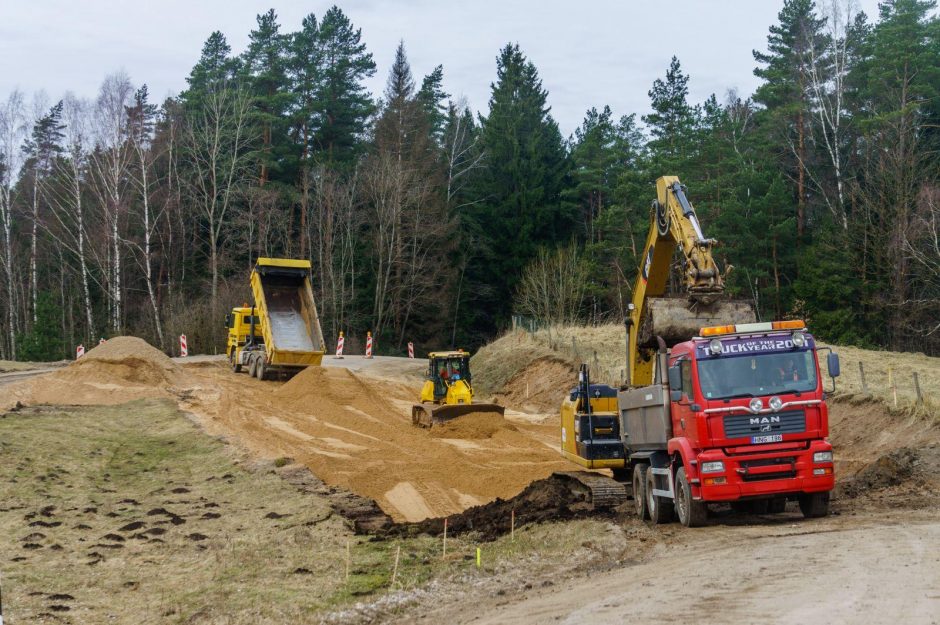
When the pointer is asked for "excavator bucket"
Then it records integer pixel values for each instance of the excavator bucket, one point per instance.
(426, 416)
(676, 320)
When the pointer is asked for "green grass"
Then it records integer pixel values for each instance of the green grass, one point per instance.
(237, 543)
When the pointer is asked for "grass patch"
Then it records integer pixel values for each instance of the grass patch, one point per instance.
(131, 514)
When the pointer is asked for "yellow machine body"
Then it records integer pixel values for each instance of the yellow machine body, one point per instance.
(572, 418)
(239, 324)
(448, 389)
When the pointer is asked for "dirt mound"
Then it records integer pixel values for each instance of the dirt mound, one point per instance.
(907, 474)
(556, 497)
(539, 387)
(354, 431)
(122, 369)
(122, 359)
(473, 426)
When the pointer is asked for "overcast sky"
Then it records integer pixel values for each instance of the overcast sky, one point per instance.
(587, 53)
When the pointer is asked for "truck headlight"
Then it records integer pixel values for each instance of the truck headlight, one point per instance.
(713, 467)
(775, 403)
(799, 339)
(715, 347)
(822, 456)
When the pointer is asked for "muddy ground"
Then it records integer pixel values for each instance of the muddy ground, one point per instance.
(874, 560)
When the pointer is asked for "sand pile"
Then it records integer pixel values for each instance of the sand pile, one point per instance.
(122, 369)
(473, 426)
(123, 359)
(540, 387)
(354, 431)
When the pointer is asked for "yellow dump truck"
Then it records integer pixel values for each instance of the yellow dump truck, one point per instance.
(283, 332)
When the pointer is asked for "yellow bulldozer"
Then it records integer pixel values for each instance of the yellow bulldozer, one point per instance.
(448, 391)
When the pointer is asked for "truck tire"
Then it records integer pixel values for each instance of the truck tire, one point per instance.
(639, 491)
(661, 510)
(260, 369)
(236, 366)
(252, 366)
(814, 505)
(777, 505)
(691, 513)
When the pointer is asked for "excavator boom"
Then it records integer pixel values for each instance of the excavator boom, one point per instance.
(674, 224)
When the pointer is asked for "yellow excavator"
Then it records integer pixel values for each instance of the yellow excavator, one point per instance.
(448, 391)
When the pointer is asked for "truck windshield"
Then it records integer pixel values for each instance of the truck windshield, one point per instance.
(753, 375)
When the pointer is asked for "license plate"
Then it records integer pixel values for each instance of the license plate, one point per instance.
(772, 438)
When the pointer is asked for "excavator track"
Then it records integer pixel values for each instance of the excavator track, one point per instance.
(605, 492)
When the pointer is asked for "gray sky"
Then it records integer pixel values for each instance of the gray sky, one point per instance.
(588, 54)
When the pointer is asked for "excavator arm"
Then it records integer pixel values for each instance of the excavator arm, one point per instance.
(674, 223)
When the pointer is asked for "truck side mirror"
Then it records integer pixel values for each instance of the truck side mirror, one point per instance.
(228, 320)
(675, 383)
(832, 363)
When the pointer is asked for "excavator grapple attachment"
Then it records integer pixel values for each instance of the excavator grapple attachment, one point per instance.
(427, 415)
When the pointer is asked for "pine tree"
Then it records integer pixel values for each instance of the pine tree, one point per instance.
(265, 69)
(343, 105)
(672, 122)
(521, 183)
(214, 70)
(791, 47)
(432, 98)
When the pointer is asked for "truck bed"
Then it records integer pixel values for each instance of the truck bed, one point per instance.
(288, 327)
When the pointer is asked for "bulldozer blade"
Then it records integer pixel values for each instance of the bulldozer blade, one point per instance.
(426, 416)
(678, 320)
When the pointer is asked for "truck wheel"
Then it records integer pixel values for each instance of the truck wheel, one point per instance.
(260, 369)
(252, 366)
(814, 505)
(236, 366)
(639, 491)
(691, 513)
(661, 510)
(777, 505)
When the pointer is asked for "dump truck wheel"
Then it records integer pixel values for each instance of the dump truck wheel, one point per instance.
(691, 513)
(252, 366)
(236, 366)
(260, 369)
(661, 510)
(639, 491)
(815, 505)
(777, 505)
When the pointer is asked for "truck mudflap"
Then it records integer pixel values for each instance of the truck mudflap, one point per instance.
(604, 492)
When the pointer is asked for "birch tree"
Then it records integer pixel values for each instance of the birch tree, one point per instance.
(13, 130)
(109, 163)
(217, 151)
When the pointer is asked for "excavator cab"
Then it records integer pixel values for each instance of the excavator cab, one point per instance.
(447, 387)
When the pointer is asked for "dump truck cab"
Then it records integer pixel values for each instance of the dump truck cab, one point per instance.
(244, 327)
(748, 416)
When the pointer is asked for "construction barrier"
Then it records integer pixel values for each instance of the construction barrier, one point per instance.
(339, 345)
(184, 349)
(79, 351)
(411, 349)
(368, 345)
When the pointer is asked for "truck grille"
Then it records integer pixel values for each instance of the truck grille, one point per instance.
(746, 425)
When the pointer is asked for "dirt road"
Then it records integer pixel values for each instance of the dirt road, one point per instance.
(871, 568)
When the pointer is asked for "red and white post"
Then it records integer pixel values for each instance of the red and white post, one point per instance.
(368, 345)
(339, 346)
(184, 348)
(79, 351)
(411, 349)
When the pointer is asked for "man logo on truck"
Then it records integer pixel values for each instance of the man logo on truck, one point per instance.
(763, 420)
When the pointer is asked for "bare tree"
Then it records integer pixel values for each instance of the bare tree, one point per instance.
(13, 130)
(217, 148)
(553, 286)
(109, 163)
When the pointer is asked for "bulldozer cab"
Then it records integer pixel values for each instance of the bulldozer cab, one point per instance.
(446, 368)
